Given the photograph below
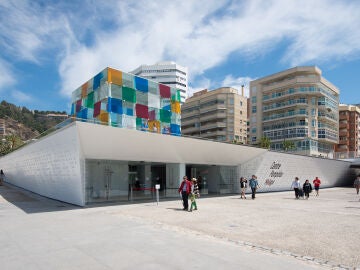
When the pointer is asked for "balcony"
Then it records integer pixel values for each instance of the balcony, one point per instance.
(343, 133)
(211, 108)
(292, 81)
(213, 133)
(212, 126)
(285, 105)
(215, 115)
(189, 130)
(189, 122)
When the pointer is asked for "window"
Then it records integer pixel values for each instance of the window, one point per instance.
(253, 109)
(253, 90)
(231, 101)
(241, 103)
(253, 99)
(253, 139)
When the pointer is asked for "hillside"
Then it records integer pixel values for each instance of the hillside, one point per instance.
(27, 124)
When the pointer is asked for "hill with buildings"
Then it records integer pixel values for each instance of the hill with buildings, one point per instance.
(26, 124)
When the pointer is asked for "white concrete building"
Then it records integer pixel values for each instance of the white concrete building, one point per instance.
(168, 73)
(84, 163)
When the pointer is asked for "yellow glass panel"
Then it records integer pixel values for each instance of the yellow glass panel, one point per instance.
(104, 116)
(154, 126)
(84, 90)
(175, 107)
(114, 76)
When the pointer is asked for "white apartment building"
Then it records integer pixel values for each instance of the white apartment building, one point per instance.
(168, 73)
(296, 105)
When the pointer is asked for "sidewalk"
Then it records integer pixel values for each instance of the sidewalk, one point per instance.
(275, 231)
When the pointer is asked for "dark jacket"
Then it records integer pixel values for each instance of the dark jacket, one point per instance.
(307, 187)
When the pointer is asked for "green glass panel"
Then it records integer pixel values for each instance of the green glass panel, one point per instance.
(138, 121)
(129, 94)
(165, 116)
(90, 100)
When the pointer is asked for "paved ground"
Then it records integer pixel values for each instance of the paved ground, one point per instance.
(275, 231)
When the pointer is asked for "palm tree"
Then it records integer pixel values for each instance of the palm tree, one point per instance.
(288, 145)
(265, 142)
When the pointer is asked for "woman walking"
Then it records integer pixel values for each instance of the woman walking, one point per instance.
(296, 186)
(194, 194)
(307, 188)
(243, 186)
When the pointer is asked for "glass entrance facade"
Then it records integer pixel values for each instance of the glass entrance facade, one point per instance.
(129, 181)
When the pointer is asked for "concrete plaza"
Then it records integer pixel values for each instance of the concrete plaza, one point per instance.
(275, 231)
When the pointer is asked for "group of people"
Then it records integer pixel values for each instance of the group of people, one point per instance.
(253, 183)
(306, 188)
(189, 189)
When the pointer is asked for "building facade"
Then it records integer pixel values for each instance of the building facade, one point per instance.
(120, 99)
(349, 130)
(219, 115)
(296, 105)
(168, 73)
(85, 163)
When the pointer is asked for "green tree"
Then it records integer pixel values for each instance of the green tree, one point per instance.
(265, 142)
(288, 145)
(9, 144)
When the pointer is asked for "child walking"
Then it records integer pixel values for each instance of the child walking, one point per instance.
(194, 194)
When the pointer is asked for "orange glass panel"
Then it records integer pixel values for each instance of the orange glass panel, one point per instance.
(104, 116)
(114, 76)
(84, 90)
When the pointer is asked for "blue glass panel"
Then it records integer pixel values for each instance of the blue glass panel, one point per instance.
(141, 84)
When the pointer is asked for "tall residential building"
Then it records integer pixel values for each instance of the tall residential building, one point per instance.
(349, 129)
(296, 105)
(168, 73)
(219, 115)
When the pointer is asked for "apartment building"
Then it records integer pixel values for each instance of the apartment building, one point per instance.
(168, 73)
(349, 129)
(219, 115)
(296, 105)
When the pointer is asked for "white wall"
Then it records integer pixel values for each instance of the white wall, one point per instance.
(49, 167)
(331, 172)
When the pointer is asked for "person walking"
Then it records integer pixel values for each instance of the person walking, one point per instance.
(317, 183)
(253, 183)
(2, 177)
(243, 186)
(184, 189)
(194, 194)
(357, 184)
(307, 188)
(296, 186)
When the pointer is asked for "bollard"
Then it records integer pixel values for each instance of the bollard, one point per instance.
(157, 187)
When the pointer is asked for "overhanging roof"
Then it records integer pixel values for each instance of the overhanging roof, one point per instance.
(111, 143)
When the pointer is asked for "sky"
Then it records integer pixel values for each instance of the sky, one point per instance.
(48, 48)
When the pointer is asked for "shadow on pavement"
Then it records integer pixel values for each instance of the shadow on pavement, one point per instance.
(30, 202)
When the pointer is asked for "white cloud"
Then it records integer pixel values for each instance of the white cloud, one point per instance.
(88, 36)
(201, 84)
(7, 77)
(21, 96)
(238, 83)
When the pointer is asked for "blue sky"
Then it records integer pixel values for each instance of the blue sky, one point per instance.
(49, 48)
